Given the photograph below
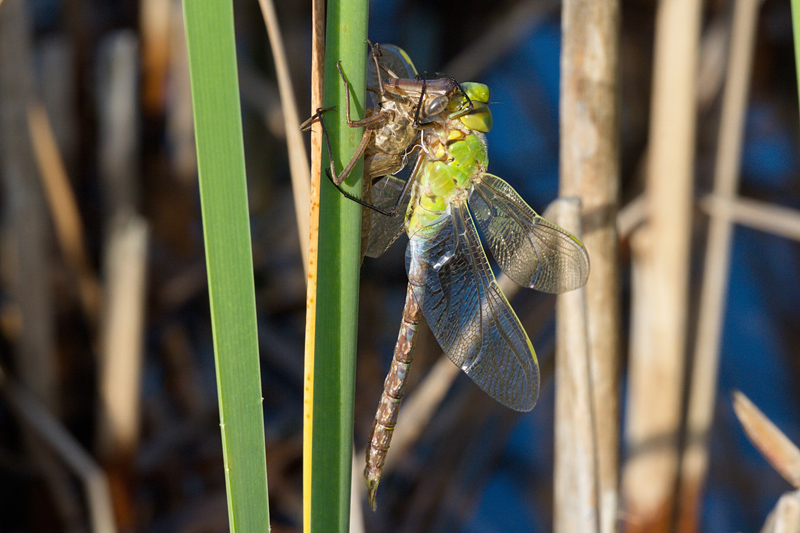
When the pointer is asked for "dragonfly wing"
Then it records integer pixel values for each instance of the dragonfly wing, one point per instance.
(385, 230)
(468, 313)
(531, 251)
(393, 58)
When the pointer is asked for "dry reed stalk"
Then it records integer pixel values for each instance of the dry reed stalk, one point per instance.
(779, 220)
(124, 263)
(703, 385)
(661, 264)
(785, 518)
(118, 124)
(782, 454)
(64, 209)
(154, 28)
(95, 484)
(121, 354)
(774, 445)
(576, 508)
(590, 170)
(298, 166)
(317, 80)
(26, 261)
(122, 335)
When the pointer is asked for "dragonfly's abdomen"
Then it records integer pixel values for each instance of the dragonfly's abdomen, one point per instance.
(393, 390)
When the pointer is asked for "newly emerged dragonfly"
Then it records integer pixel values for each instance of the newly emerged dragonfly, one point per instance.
(450, 281)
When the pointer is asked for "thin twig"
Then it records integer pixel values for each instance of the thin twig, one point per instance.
(774, 445)
(756, 214)
(631, 216)
(64, 208)
(703, 385)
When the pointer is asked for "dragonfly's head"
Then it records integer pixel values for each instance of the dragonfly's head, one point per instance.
(479, 118)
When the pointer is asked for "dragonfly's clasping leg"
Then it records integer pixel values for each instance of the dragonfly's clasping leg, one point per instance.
(421, 99)
(364, 122)
(305, 126)
(362, 146)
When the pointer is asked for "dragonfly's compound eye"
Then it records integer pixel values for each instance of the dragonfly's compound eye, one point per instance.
(480, 119)
(477, 92)
(435, 106)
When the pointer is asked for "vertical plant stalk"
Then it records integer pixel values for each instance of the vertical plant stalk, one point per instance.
(661, 271)
(590, 169)
(339, 245)
(703, 385)
(229, 262)
(317, 74)
(121, 340)
(576, 473)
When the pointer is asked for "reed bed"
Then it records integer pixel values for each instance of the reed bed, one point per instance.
(181, 301)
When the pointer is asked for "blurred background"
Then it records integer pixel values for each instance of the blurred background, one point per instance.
(105, 335)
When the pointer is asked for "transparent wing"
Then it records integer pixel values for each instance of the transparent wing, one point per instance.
(467, 311)
(531, 251)
(385, 230)
(394, 59)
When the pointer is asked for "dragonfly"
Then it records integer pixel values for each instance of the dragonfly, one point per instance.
(451, 283)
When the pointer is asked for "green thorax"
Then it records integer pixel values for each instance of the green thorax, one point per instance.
(454, 157)
(454, 154)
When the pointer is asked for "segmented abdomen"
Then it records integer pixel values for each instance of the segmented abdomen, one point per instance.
(393, 390)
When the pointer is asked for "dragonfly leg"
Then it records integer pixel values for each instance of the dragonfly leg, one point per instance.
(364, 122)
(421, 99)
(305, 126)
(353, 160)
(376, 53)
(337, 180)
